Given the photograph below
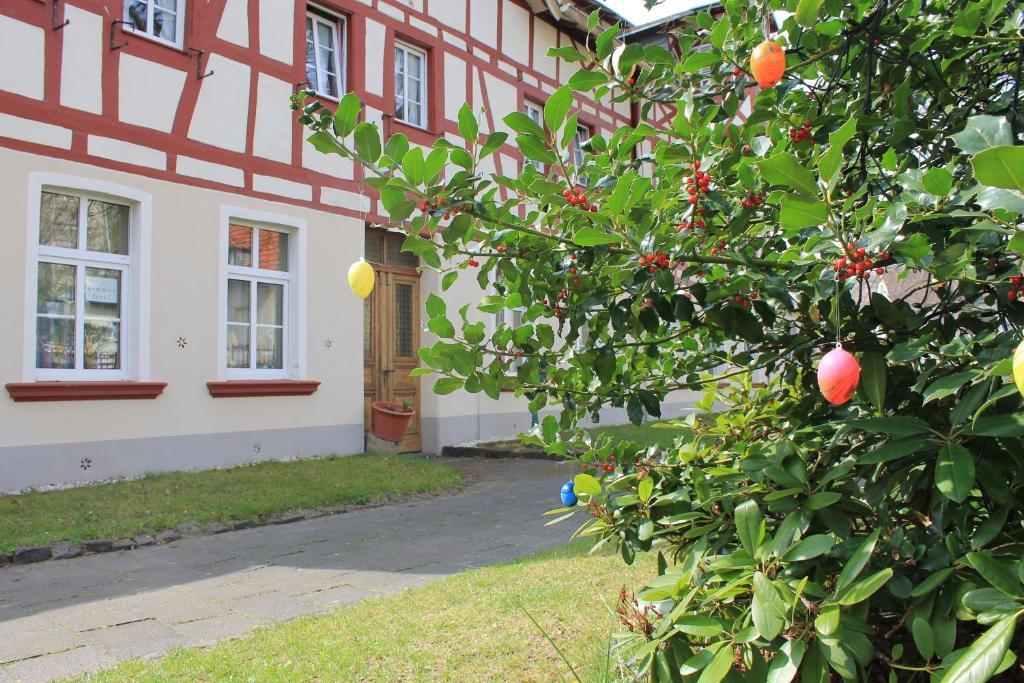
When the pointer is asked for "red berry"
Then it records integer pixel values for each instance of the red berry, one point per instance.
(593, 208)
(880, 271)
(1012, 295)
(652, 269)
(576, 282)
(696, 163)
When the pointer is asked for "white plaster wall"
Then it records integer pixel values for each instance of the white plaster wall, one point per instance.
(272, 129)
(503, 97)
(21, 58)
(484, 21)
(374, 65)
(184, 303)
(234, 23)
(81, 67)
(449, 13)
(454, 85)
(148, 93)
(515, 32)
(222, 110)
(333, 165)
(277, 30)
(545, 37)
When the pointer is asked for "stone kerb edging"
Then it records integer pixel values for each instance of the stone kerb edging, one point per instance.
(65, 550)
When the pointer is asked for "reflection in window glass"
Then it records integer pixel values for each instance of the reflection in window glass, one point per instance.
(107, 228)
(102, 319)
(240, 246)
(273, 250)
(238, 324)
(58, 220)
(55, 316)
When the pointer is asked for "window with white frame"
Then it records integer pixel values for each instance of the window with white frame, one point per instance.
(410, 85)
(257, 300)
(82, 277)
(536, 114)
(325, 52)
(163, 20)
(576, 149)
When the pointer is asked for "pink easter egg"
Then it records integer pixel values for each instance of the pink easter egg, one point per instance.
(838, 375)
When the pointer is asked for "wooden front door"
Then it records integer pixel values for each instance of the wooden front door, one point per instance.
(391, 331)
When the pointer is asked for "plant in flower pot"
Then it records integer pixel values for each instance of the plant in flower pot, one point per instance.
(391, 420)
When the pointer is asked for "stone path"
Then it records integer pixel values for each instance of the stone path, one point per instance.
(72, 616)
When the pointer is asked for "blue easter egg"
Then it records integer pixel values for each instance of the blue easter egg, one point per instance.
(568, 495)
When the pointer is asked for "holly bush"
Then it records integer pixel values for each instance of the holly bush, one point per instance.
(880, 539)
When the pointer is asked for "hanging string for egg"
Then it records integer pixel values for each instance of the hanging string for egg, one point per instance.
(838, 370)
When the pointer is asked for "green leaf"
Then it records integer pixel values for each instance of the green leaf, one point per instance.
(798, 212)
(749, 525)
(493, 143)
(997, 425)
(700, 60)
(345, 115)
(983, 657)
(584, 80)
(873, 378)
(718, 668)
(894, 450)
(468, 126)
(645, 488)
(947, 386)
(694, 625)
(807, 12)
(557, 108)
(592, 237)
(809, 548)
(938, 181)
(933, 581)
(446, 385)
(865, 588)
(858, 560)
(820, 501)
(982, 132)
(434, 306)
(903, 425)
(584, 483)
(521, 123)
(784, 169)
(954, 472)
(924, 641)
(786, 662)
(996, 572)
(767, 609)
(1000, 166)
(367, 141)
(413, 165)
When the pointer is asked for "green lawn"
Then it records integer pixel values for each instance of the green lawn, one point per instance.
(644, 435)
(161, 501)
(468, 627)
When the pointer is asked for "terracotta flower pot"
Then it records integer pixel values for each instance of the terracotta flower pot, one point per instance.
(390, 422)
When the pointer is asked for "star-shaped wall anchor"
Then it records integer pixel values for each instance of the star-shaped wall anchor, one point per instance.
(182, 342)
(85, 463)
(257, 448)
(328, 343)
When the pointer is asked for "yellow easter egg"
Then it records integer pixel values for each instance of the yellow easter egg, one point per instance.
(1018, 368)
(361, 279)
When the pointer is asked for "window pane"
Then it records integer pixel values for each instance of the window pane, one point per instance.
(102, 293)
(55, 343)
(107, 227)
(56, 289)
(273, 250)
(240, 246)
(403, 320)
(310, 56)
(269, 304)
(136, 13)
(165, 19)
(397, 257)
(325, 32)
(102, 345)
(414, 65)
(374, 247)
(238, 301)
(269, 348)
(58, 220)
(238, 346)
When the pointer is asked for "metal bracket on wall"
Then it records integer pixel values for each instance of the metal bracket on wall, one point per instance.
(113, 27)
(301, 85)
(199, 63)
(56, 15)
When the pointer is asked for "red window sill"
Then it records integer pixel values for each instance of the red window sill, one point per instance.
(262, 387)
(83, 391)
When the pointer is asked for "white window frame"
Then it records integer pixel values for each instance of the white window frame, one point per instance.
(294, 337)
(536, 114)
(339, 29)
(424, 121)
(583, 133)
(135, 284)
(179, 26)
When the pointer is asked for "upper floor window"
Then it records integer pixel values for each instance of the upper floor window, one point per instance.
(325, 48)
(576, 149)
(536, 114)
(410, 85)
(82, 277)
(163, 20)
(257, 300)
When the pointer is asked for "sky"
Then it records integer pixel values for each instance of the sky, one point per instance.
(635, 12)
